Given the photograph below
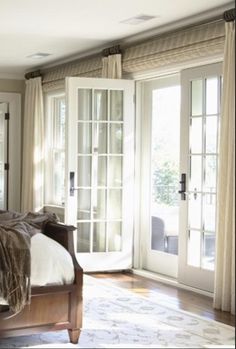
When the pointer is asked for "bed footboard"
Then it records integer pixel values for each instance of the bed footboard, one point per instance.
(52, 307)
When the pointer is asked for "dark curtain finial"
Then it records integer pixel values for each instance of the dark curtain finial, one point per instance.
(229, 15)
(33, 74)
(111, 51)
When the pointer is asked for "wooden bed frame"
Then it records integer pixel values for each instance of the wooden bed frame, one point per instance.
(52, 307)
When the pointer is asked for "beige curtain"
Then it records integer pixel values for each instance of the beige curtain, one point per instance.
(224, 295)
(112, 67)
(33, 154)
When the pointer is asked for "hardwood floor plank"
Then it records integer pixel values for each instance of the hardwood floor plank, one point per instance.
(168, 295)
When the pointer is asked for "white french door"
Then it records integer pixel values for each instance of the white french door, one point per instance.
(200, 118)
(178, 174)
(159, 211)
(100, 171)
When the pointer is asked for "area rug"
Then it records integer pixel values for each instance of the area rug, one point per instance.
(117, 318)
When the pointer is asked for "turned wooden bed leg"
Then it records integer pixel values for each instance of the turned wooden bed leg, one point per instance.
(74, 336)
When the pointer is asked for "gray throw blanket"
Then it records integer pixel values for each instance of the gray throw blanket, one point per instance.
(16, 230)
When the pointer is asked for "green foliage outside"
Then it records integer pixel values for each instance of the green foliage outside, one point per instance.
(165, 184)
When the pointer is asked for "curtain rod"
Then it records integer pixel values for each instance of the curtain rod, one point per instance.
(229, 15)
(33, 74)
(111, 51)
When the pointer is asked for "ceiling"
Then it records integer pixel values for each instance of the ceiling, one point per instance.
(71, 28)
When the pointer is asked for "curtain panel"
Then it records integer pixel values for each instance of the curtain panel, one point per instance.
(112, 67)
(224, 295)
(180, 46)
(33, 148)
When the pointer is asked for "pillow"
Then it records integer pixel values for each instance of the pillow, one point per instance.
(51, 263)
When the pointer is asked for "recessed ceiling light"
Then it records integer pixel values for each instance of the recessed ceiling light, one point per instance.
(39, 55)
(138, 19)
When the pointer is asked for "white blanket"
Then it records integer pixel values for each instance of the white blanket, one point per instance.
(51, 263)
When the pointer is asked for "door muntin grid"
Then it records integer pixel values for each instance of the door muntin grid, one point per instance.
(100, 170)
(203, 163)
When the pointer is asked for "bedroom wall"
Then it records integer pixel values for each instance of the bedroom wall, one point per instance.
(11, 85)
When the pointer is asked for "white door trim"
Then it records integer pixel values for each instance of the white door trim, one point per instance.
(142, 180)
(14, 102)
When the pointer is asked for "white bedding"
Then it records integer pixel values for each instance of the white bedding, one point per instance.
(51, 263)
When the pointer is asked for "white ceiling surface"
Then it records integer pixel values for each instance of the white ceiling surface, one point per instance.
(67, 28)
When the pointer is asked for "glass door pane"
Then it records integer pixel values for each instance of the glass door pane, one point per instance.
(116, 105)
(159, 125)
(83, 238)
(165, 169)
(116, 138)
(196, 97)
(84, 104)
(100, 105)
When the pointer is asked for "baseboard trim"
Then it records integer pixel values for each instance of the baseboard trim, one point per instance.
(169, 281)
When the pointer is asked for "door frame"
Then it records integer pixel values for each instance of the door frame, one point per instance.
(14, 102)
(5, 137)
(142, 183)
(138, 239)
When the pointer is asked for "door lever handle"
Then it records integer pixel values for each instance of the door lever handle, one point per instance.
(182, 183)
(72, 183)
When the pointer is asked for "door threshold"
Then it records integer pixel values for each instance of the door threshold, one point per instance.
(169, 281)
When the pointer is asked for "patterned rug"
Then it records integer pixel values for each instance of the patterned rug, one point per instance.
(116, 318)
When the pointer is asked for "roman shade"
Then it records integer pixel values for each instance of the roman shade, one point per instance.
(179, 46)
(54, 78)
(205, 40)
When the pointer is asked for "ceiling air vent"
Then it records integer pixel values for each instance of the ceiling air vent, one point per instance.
(138, 19)
(39, 55)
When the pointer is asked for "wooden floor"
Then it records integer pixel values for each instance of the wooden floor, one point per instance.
(174, 297)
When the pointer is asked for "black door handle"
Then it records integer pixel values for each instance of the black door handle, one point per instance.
(182, 190)
(72, 183)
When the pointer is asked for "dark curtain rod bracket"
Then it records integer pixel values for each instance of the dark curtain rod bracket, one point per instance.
(111, 51)
(229, 15)
(33, 74)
